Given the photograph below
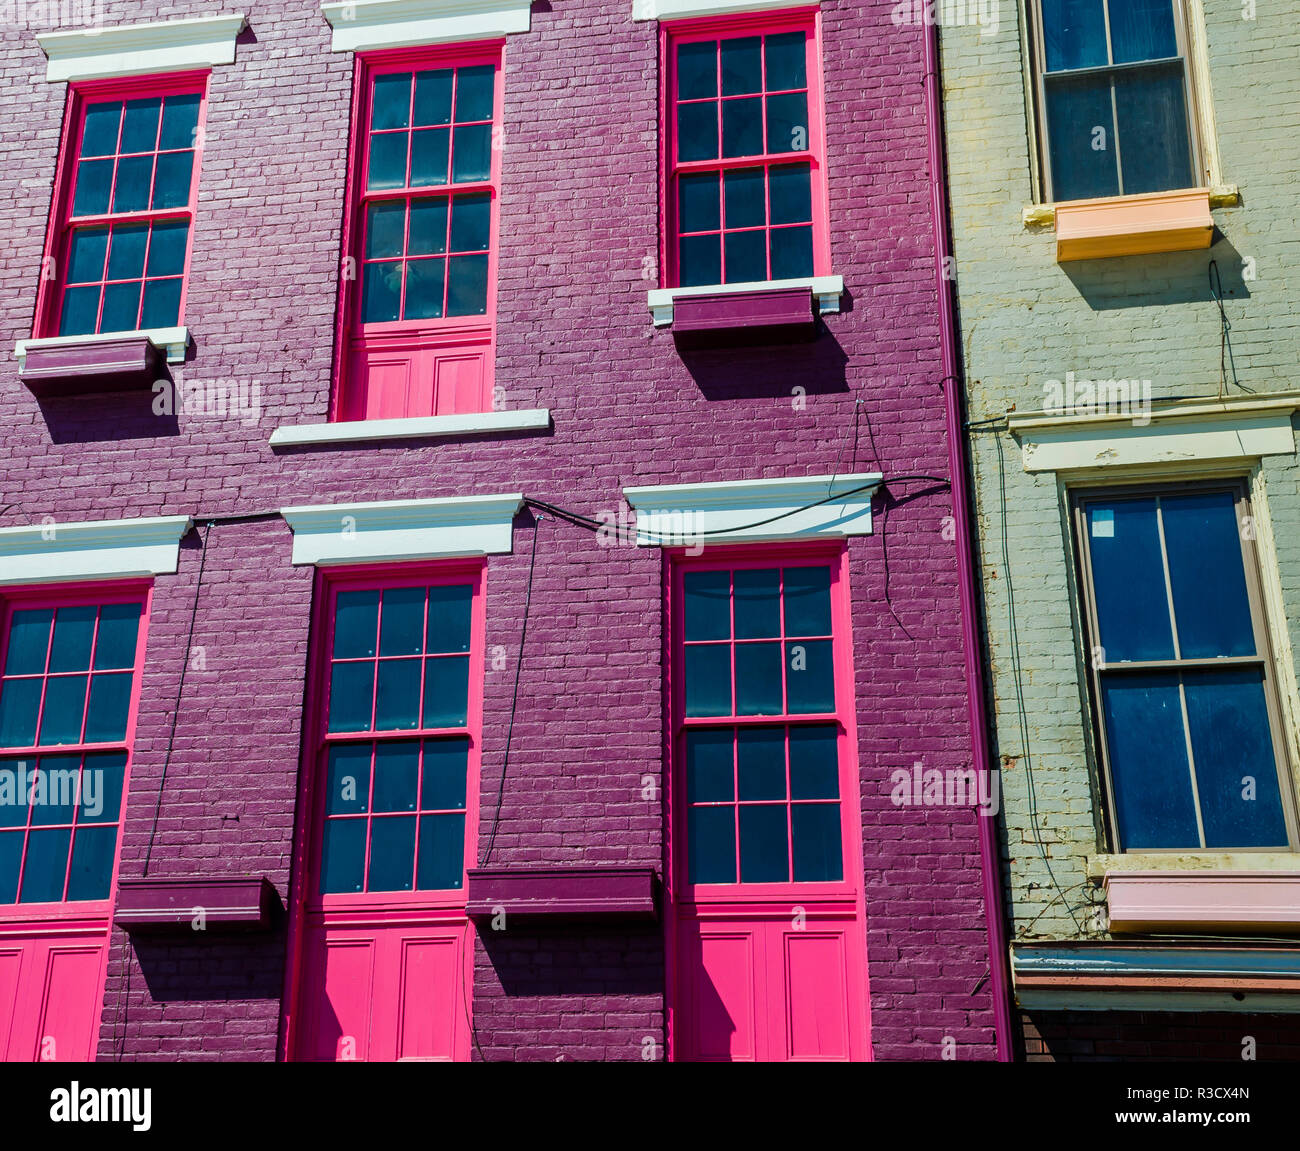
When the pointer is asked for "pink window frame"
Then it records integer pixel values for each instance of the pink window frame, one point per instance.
(75, 595)
(59, 229)
(443, 330)
(671, 34)
(385, 578)
(730, 558)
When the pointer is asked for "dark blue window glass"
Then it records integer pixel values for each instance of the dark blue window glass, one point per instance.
(425, 287)
(47, 865)
(397, 771)
(110, 701)
(1074, 34)
(386, 167)
(471, 152)
(815, 842)
(343, 856)
(20, 700)
(709, 769)
(180, 118)
(433, 97)
(74, 628)
(807, 601)
(392, 853)
(102, 781)
(430, 152)
(356, 622)
(65, 708)
(791, 192)
(397, 694)
(742, 65)
(758, 679)
(742, 126)
(698, 203)
(442, 852)
(810, 676)
(391, 103)
(103, 122)
(699, 260)
(11, 859)
(119, 625)
(764, 843)
(474, 92)
(787, 122)
(1129, 580)
(167, 248)
(1236, 772)
(760, 762)
(745, 191)
(86, 253)
(347, 787)
(711, 844)
(814, 762)
(446, 767)
(446, 691)
(697, 70)
(1155, 145)
(697, 131)
(707, 604)
(402, 632)
(746, 257)
(55, 796)
(351, 696)
(708, 679)
(449, 617)
(758, 603)
(15, 779)
(29, 637)
(91, 872)
(1081, 138)
(428, 226)
(787, 61)
(1148, 761)
(1207, 575)
(1142, 30)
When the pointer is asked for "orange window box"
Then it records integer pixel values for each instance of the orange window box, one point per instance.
(1133, 225)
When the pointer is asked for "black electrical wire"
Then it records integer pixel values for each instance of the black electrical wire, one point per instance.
(1022, 714)
(1225, 327)
(514, 699)
(180, 687)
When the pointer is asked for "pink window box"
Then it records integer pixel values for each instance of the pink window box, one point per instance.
(1205, 900)
(242, 902)
(564, 892)
(94, 366)
(776, 314)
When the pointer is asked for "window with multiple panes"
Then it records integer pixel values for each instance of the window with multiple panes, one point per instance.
(1115, 97)
(397, 740)
(426, 163)
(121, 234)
(745, 152)
(66, 690)
(760, 722)
(1182, 678)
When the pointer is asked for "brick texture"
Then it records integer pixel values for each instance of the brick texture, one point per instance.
(579, 227)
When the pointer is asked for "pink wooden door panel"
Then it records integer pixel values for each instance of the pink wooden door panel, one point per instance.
(723, 969)
(396, 380)
(815, 977)
(429, 1013)
(54, 995)
(340, 993)
(11, 966)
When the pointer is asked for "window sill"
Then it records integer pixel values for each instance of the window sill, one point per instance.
(1163, 901)
(1042, 217)
(417, 427)
(756, 299)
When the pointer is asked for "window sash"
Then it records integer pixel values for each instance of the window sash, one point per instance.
(64, 225)
(718, 31)
(1101, 672)
(1112, 69)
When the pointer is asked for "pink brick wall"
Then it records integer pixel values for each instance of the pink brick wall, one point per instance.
(579, 218)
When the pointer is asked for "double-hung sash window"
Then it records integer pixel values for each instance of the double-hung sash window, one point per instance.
(761, 723)
(426, 162)
(1186, 707)
(745, 153)
(1115, 97)
(70, 669)
(397, 741)
(120, 239)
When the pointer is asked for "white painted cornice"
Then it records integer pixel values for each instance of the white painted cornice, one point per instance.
(1190, 432)
(679, 514)
(100, 549)
(172, 342)
(684, 9)
(403, 529)
(363, 25)
(140, 49)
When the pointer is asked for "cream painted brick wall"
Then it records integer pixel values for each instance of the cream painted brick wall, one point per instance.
(1026, 319)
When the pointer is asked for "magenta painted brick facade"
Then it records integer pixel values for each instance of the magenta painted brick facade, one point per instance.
(579, 228)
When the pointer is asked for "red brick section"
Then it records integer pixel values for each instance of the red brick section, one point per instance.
(1157, 1037)
(579, 244)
